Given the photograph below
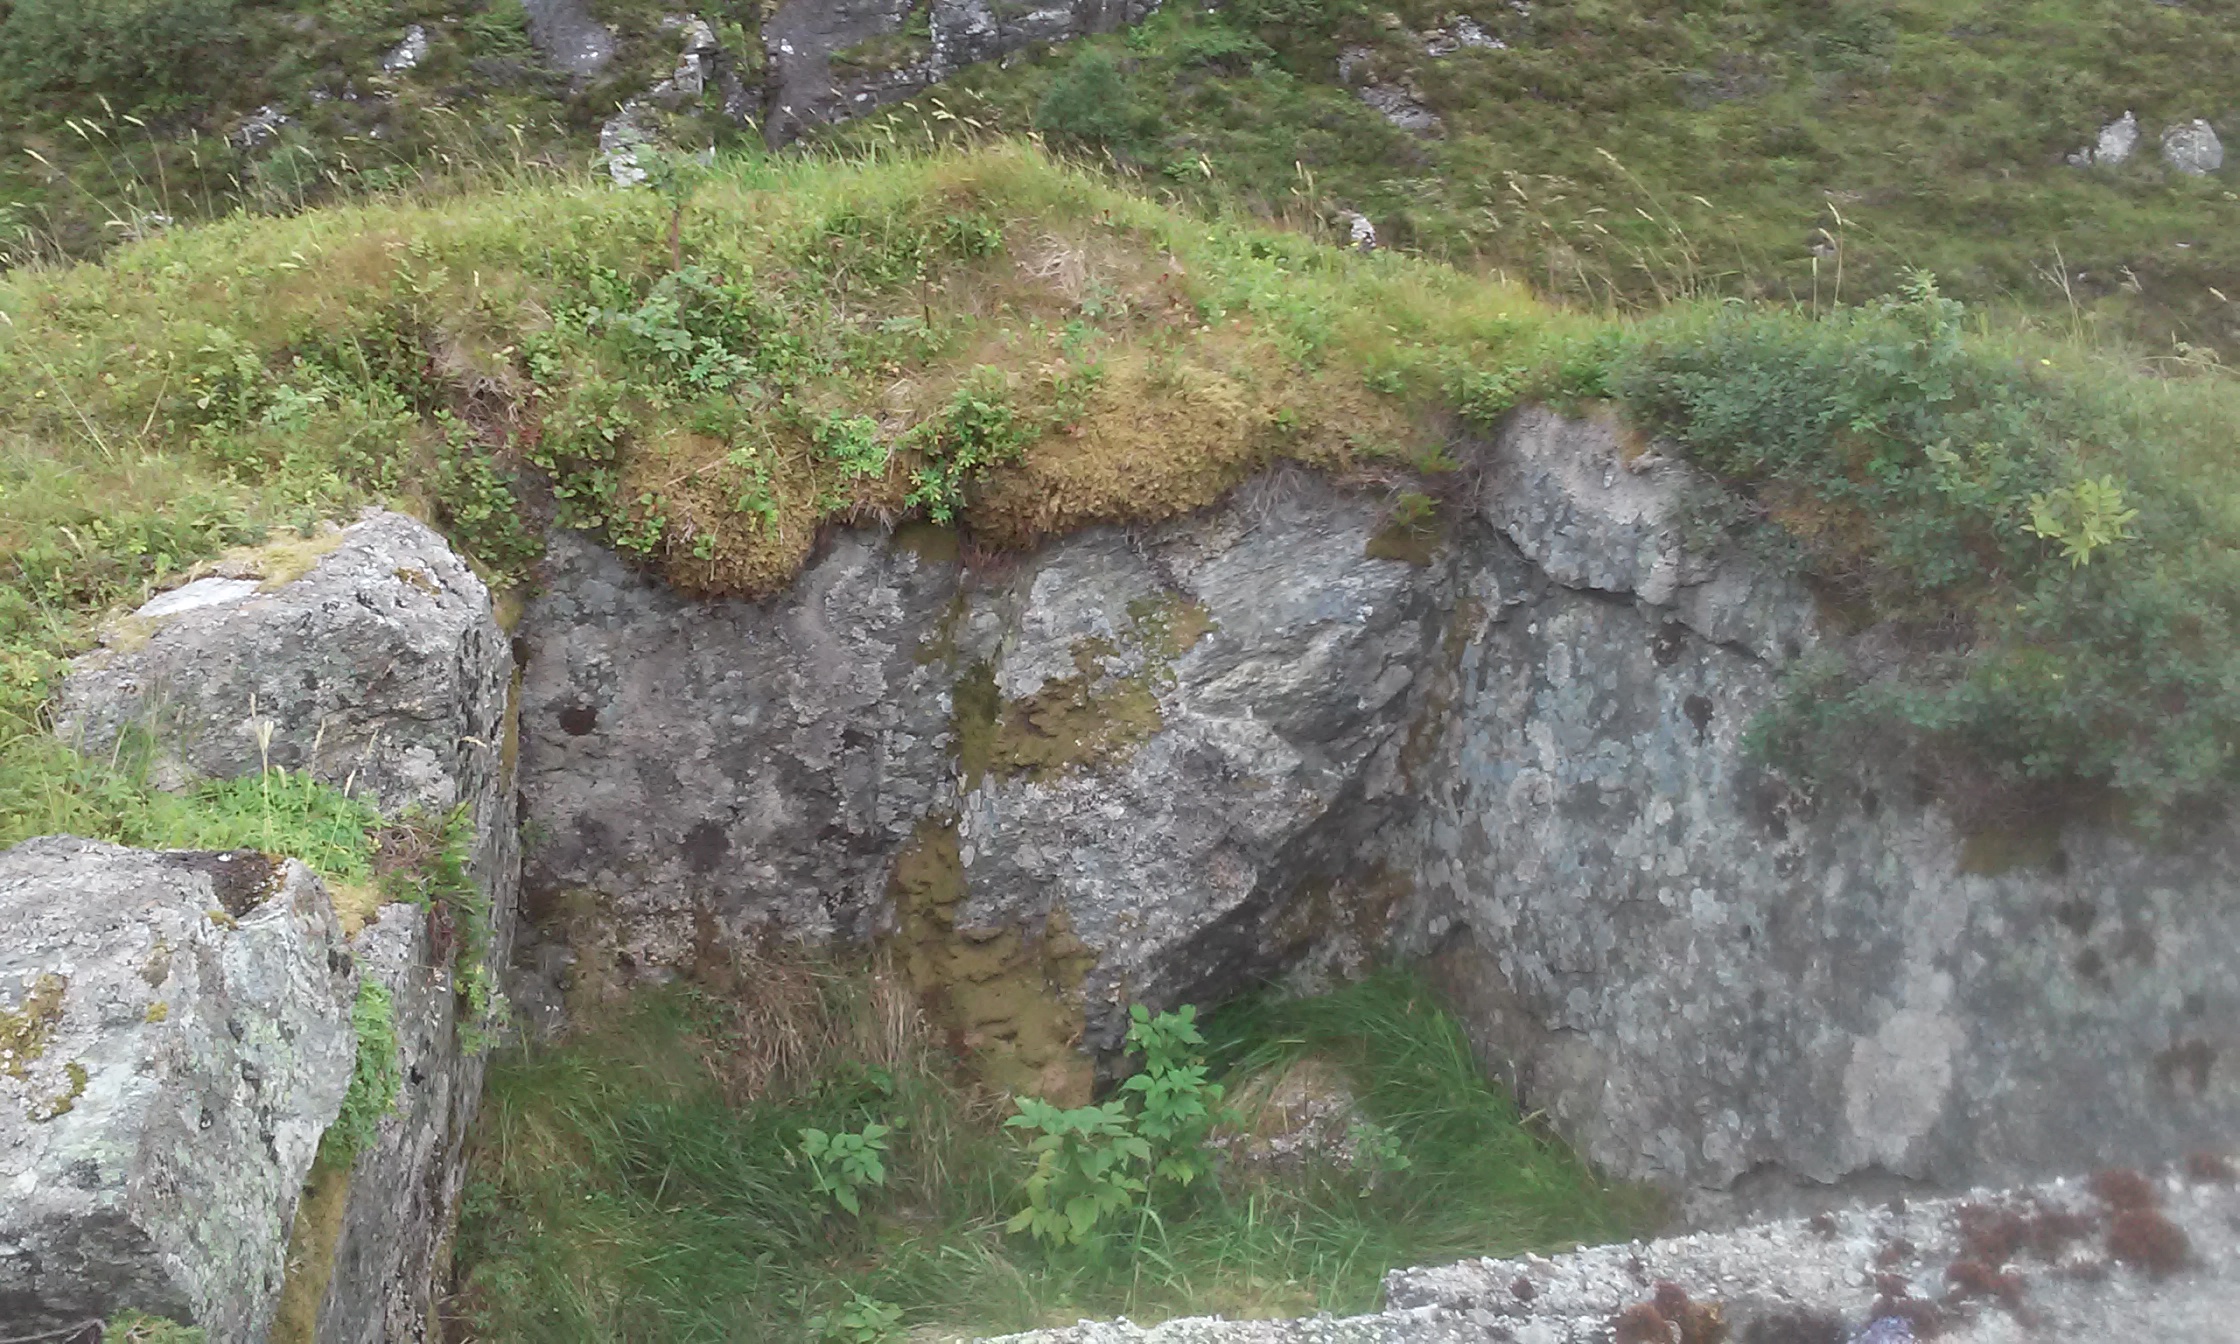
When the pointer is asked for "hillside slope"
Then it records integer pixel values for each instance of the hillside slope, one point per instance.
(1611, 151)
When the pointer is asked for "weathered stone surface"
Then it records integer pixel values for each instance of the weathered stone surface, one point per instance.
(1805, 1282)
(1702, 972)
(757, 764)
(2113, 145)
(381, 668)
(377, 670)
(180, 1034)
(2192, 148)
(569, 39)
(821, 71)
(1113, 747)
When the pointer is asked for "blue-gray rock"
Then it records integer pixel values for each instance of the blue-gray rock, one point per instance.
(370, 656)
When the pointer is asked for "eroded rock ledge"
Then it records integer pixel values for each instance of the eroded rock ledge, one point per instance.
(1160, 763)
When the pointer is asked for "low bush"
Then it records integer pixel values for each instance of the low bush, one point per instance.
(2045, 553)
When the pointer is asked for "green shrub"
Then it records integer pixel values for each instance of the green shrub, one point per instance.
(149, 53)
(1179, 1107)
(977, 430)
(1086, 1162)
(846, 1163)
(1090, 104)
(2067, 611)
(136, 1327)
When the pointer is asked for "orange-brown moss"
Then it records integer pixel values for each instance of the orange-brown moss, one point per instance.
(312, 1240)
(1008, 999)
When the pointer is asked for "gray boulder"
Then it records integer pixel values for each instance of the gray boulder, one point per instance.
(2112, 146)
(569, 38)
(372, 658)
(377, 669)
(174, 1038)
(2192, 148)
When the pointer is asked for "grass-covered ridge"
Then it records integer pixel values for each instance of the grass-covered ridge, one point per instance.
(710, 375)
(1625, 151)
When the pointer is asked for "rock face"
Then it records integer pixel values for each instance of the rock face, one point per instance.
(830, 60)
(1704, 973)
(1160, 764)
(1107, 753)
(375, 659)
(369, 656)
(174, 1038)
(2063, 1265)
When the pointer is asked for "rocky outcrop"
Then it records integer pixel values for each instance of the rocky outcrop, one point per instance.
(1704, 971)
(1057, 786)
(174, 1038)
(2052, 1262)
(369, 657)
(1161, 764)
(829, 60)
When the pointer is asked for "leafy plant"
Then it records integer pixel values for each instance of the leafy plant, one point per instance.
(844, 1164)
(863, 1320)
(1085, 1165)
(1179, 1106)
(977, 430)
(2082, 518)
(852, 443)
(137, 1327)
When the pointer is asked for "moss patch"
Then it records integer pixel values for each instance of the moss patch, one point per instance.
(62, 1102)
(1110, 704)
(1007, 998)
(1410, 532)
(1086, 717)
(311, 1247)
(27, 1029)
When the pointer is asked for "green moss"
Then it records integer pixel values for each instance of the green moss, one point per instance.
(1073, 721)
(27, 1029)
(1093, 715)
(1410, 532)
(136, 1327)
(64, 1101)
(974, 705)
(312, 1240)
